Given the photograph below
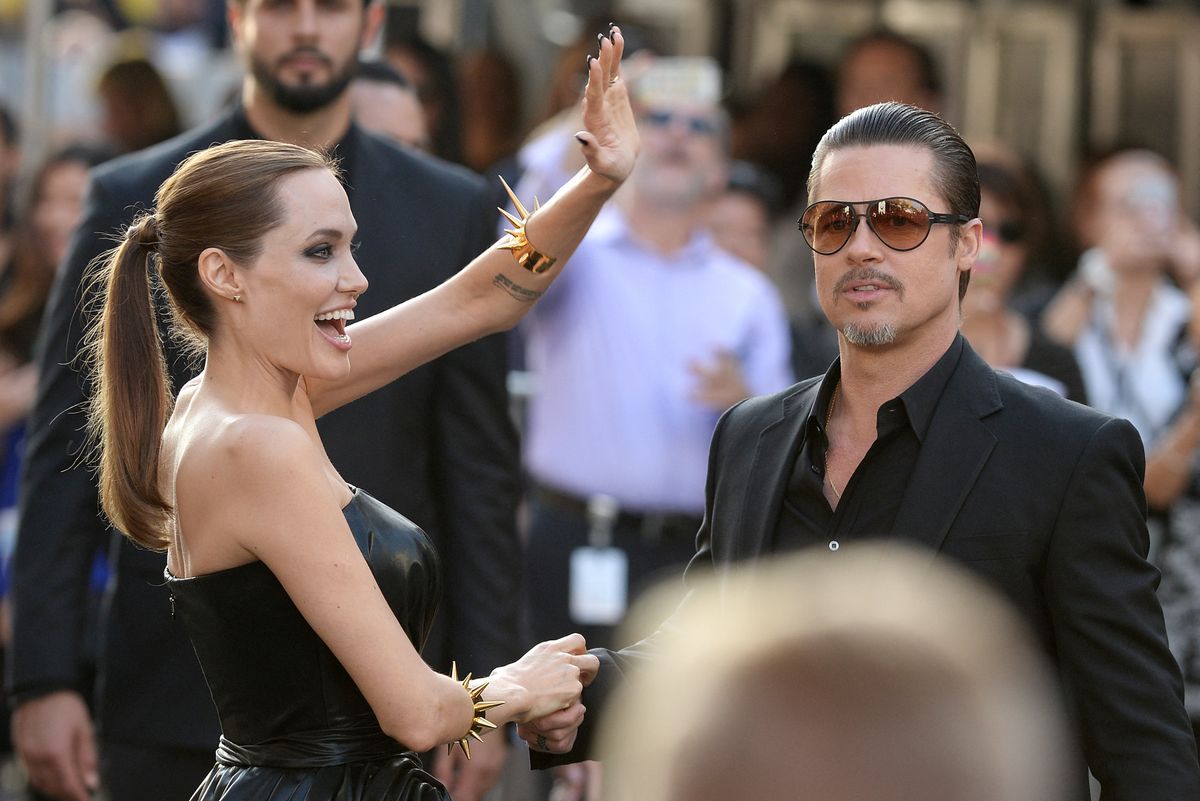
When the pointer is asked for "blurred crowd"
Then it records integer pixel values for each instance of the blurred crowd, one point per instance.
(692, 292)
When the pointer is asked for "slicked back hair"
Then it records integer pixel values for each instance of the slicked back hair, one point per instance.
(954, 173)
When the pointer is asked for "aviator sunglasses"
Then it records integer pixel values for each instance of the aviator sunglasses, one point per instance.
(901, 223)
(693, 123)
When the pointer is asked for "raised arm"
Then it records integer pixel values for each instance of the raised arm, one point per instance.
(494, 291)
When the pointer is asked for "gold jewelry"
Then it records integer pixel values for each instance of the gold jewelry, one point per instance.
(479, 709)
(516, 241)
(237, 298)
(828, 417)
(615, 78)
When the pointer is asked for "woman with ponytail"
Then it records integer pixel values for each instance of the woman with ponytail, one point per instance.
(306, 599)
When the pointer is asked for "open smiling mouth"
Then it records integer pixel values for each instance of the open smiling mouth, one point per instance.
(333, 325)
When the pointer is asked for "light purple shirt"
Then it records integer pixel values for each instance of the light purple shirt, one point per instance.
(610, 346)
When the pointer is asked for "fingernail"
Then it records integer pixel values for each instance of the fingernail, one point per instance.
(590, 59)
(599, 37)
(581, 140)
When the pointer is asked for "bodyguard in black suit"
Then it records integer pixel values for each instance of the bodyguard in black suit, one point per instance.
(437, 444)
(910, 435)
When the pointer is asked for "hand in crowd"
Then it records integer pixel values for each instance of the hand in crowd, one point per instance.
(719, 383)
(610, 136)
(549, 678)
(53, 734)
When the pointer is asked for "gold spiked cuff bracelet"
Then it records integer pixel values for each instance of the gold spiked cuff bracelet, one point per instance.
(516, 241)
(479, 721)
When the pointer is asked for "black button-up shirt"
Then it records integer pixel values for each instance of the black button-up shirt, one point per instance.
(871, 498)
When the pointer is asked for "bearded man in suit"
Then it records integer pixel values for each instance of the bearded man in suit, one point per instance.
(910, 436)
(438, 443)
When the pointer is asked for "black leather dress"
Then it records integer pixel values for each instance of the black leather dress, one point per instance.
(294, 725)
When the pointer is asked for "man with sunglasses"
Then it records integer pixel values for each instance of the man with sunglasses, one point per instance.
(911, 436)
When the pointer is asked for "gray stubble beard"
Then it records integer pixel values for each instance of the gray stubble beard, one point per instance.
(869, 336)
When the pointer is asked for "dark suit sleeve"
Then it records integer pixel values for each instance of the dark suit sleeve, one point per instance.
(60, 525)
(477, 470)
(1108, 629)
(615, 664)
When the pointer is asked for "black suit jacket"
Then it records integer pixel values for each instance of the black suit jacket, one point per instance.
(438, 444)
(1039, 496)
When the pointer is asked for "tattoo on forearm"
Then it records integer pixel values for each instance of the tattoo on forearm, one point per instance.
(516, 290)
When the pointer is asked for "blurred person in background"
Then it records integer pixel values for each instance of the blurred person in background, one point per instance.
(43, 229)
(42, 234)
(652, 334)
(431, 71)
(489, 91)
(1122, 312)
(137, 109)
(1014, 222)
(885, 65)
(739, 218)
(780, 127)
(872, 676)
(386, 102)
(437, 443)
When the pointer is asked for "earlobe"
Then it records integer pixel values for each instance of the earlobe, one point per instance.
(220, 274)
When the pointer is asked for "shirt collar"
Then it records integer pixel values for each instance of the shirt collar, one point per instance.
(611, 227)
(918, 401)
(921, 399)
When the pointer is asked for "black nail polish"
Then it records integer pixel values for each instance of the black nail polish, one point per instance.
(590, 59)
(581, 140)
(599, 37)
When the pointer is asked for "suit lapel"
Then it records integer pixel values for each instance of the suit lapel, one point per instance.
(956, 447)
(766, 482)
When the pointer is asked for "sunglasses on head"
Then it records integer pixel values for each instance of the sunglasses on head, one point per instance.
(901, 223)
(696, 124)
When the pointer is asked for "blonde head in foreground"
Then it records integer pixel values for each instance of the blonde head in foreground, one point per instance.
(874, 675)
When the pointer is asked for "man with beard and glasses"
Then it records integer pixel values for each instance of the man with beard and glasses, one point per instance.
(651, 335)
(438, 443)
(911, 437)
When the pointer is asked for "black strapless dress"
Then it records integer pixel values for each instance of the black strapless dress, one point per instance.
(294, 725)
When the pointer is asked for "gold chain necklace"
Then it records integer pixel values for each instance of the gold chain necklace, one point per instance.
(828, 448)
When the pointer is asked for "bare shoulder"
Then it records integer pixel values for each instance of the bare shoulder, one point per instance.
(239, 457)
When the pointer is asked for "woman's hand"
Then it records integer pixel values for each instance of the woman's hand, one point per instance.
(549, 678)
(610, 139)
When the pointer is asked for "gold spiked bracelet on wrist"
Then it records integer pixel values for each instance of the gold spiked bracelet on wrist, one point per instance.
(479, 721)
(517, 242)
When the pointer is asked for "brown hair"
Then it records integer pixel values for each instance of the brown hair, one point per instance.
(224, 197)
(26, 280)
(954, 172)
